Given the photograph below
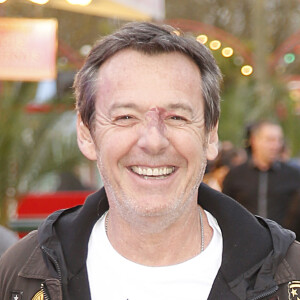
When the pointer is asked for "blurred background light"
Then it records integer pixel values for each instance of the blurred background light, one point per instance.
(176, 32)
(85, 50)
(227, 52)
(215, 45)
(40, 1)
(238, 60)
(79, 2)
(246, 70)
(202, 38)
(2, 1)
(295, 95)
(289, 58)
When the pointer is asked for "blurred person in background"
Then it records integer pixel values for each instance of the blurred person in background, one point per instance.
(7, 239)
(285, 156)
(265, 184)
(148, 108)
(228, 157)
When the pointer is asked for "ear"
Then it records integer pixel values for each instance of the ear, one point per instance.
(85, 140)
(212, 144)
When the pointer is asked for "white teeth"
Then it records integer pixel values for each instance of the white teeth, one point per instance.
(152, 171)
(149, 172)
(170, 170)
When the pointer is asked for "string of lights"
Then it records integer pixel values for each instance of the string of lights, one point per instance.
(227, 52)
(214, 45)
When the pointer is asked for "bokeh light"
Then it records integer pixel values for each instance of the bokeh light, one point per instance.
(202, 38)
(289, 58)
(39, 1)
(246, 70)
(80, 2)
(227, 52)
(295, 95)
(85, 50)
(215, 45)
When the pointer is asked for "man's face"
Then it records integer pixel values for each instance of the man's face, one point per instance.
(267, 143)
(149, 137)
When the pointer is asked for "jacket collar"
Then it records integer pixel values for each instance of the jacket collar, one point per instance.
(267, 242)
(275, 166)
(255, 245)
(74, 228)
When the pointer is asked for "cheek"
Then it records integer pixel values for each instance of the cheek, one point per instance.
(114, 142)
(190, 143)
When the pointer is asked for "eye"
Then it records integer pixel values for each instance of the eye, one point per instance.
(176, 120)
(126, 117)
(125, 120)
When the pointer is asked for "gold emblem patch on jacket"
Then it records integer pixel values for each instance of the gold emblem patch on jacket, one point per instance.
(294, 290)
(38, 296)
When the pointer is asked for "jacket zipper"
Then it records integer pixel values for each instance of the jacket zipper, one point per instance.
(266, 294)
(43, 285)
(45, 292)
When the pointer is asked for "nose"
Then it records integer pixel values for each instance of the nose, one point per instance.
(153, 140)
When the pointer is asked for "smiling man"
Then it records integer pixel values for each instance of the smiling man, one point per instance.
(148, 109)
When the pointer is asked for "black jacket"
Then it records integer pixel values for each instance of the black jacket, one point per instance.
(281, 191)
(260, 259)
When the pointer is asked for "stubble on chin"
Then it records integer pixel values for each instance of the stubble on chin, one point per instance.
(149, 220)
(152, 219)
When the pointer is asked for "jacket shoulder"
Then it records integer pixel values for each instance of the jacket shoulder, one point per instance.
(288, 273)
(20, 251)
(289, 268)
(14, 262)
(293, 258)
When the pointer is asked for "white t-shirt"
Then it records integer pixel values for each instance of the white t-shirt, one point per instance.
(113, 277)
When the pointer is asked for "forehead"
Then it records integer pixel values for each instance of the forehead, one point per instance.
(270, 130)
(132, 59)
(148, 76)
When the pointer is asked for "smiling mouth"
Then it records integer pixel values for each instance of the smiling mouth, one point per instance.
(155, 173)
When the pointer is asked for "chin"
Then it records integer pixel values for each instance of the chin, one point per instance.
(155, 210)
(151, 206)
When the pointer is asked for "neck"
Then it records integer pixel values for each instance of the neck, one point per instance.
(172, 245)
(261, 163)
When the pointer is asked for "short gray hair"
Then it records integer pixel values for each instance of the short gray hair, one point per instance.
(149, 39)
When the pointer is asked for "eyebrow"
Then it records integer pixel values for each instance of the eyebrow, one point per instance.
(116, 106)
(181, 106)
(172, 106)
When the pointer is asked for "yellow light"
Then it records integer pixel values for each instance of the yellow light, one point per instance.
(227, 52)
(2, 1)
(176, 32)
(41, 2)
(80, 2)
(215, 45)
(246, 70)
(202, 38)
(295, 95)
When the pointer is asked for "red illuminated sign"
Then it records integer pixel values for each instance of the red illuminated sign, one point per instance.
(34, 208)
